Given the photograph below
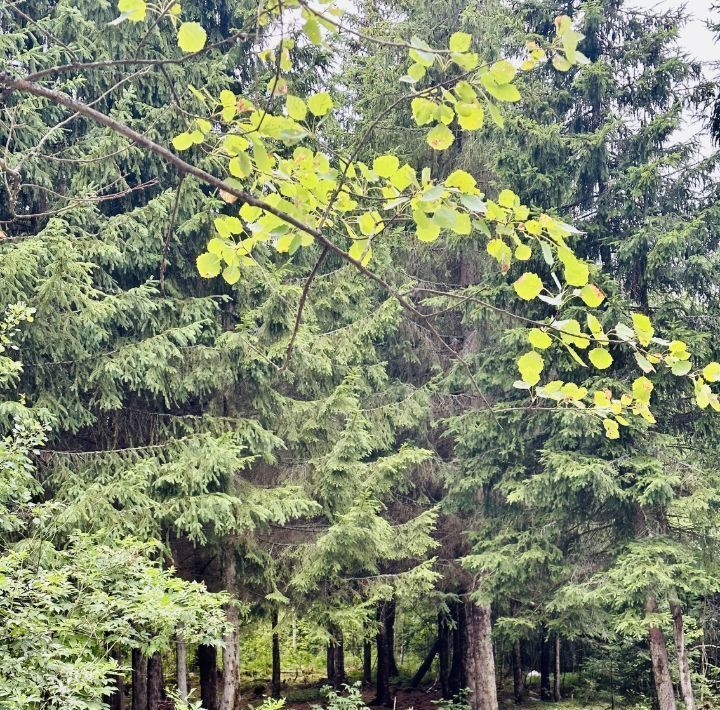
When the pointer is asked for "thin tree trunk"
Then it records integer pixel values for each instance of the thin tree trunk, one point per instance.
(139, 680)
(275, 656)
(231, 651)
(545, 663)
(457, 668)
(479, 660)
(517, 673)
(207, 664)
(116, 699)
(339, 653)
(556, 670)
(390, 613)
(367, 663)
(181, 667)
(659, 656)
(382, 679)
(425, 665)
(444, 656)
(683, 663)
(330, 663)
(155, 681)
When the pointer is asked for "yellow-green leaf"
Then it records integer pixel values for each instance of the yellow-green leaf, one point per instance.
(240, 166)
(296, 107)
(134, 9)
(460, 41)
(641, 389)
(191, 37)
(231, 273)
(528, 286)
(427, 230)
(208, 265)
(643, 328)
(612, 429)
(503, 72)
(601, 358)
(463, 181)
(539, 339)
(182, 141)
(423, 110)
(403, 178)
(523, 252)
(592, 296)
(361, 251)
(440, 137)
(711, 372)
(530, 366)
(386, 165)
(320, 104)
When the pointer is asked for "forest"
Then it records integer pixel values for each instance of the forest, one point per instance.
(358, 353)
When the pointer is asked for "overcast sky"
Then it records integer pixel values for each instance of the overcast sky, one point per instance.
(697, 40)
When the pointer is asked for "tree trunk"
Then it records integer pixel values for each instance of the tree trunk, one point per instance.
(444, 655)
(339, 653)
(155, 681)
(517, 673)
(207, 663)
(479, 657)
(683, 663)
(545, 662)
(382, 679)
(231, 651)
(181, 667)
(116, 699)
(275, 687)
(457, 669)
(556, 670)
(330, 663)
(659, 657)
(425, 665)
(139, 680)
(390, 613)
(367, 663)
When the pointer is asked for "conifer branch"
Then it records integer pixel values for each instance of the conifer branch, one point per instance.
(58, 97)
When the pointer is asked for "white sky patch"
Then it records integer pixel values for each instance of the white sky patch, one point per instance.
(700, 43)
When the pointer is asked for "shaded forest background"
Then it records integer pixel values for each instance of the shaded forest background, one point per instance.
(359, 515)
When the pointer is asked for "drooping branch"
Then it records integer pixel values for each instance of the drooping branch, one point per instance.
(185, 168)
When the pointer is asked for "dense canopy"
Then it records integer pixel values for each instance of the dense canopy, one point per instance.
(357, 353)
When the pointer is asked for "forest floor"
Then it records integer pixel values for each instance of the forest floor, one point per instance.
(427, 699)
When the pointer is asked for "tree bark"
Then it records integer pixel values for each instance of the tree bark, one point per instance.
(116, 699)
(659, 656)
(425, 665)
(181, 667)
(517, 673)
(155, 681)
(207, 663)
(479, 657)
(330, 663)
(139, 680)
(339, 653)
(457, 680)
(444, 656)
(545, 685)
(682, 656)
(382, 677)
(231, 651)
(556, 670)
(390, 613)
(367, 663)
(275, 686)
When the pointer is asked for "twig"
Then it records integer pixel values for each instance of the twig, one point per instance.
(171, 229)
